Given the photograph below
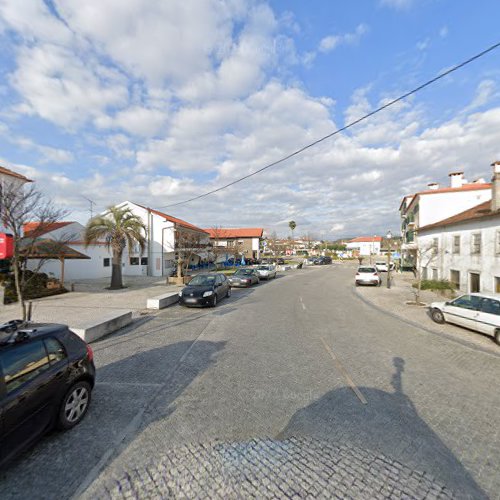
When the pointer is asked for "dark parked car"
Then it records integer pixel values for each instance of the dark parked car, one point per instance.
(323, 260)
(46, 378)
(205, 290)
(244, 277)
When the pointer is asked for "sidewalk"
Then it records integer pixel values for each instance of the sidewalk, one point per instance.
(393, 301)
(91, 302)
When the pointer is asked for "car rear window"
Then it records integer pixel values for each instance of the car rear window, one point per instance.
(367, 270)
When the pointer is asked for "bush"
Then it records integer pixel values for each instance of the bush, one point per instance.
(435, 285)
(36, 288)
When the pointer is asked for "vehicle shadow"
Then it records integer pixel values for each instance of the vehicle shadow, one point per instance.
(388, 424)
(127, 393)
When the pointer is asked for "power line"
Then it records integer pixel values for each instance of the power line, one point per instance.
(342, 129)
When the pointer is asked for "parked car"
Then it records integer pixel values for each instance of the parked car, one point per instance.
(205, 290)
(323, 260)
(47, 375)
(244, 277)
(266, 272)
(280, 261)
(382, 266)
(367, 275)
(477, 311)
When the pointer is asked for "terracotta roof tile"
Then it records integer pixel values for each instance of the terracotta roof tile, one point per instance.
(237, 232)
(30, 227)
(7, 171)
(175, 220)
(366, 239)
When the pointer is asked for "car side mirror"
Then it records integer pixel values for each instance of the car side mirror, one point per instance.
(447, 303)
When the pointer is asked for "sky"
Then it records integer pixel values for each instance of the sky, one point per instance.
(157, 101)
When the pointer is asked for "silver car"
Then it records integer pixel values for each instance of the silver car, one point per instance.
(244, 277)
(266, 272)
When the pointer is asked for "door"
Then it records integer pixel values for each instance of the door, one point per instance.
(31, 384)
(463, 311)
(475, 283)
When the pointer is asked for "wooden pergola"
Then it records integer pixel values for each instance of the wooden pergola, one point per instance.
(53, 250)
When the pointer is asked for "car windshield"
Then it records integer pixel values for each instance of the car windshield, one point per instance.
(263, 268)
(203, 280)
(367, 270)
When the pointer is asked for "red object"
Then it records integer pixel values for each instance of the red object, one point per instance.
(6, 246)
(90, 353)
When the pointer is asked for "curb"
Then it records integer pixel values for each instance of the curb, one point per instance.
(446, 336)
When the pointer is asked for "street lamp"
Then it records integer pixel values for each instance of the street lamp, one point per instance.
(389, 237)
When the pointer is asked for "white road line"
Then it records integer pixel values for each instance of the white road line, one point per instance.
(303, 306)
(344, 372)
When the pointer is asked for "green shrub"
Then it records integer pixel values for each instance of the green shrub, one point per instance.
(435, 285)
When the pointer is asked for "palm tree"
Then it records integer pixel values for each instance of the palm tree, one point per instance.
(292, 225)
(118, 227)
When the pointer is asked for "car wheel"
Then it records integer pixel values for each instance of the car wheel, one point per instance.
(437, 316)
(214, 300)
(228, 293)
(74, 405)
(356, 283)
(497, 336)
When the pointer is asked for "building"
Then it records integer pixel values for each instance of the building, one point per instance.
(167, 236)
(435, 204)
(8, 180)
(365, 245)
(465, 248)
(247, 241)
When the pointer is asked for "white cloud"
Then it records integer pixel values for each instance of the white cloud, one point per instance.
(397, 4)
(485, 92)
(443, 32)
(331, 42)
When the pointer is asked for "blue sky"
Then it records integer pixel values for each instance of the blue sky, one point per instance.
(157, 102)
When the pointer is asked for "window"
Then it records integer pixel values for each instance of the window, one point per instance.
(106, 261)
(455, 278)
(144, 261)
(456, 244)
(134, 261)
(497, 242)
(497, 284)
(424, 273)
(490, 306)
(476, 244)
(434, 274)
(55, 350)
(468, 302)
(23, 363)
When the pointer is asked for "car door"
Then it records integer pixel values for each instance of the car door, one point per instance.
(26, 404)
(224, 285)
(463, 311)
(219, 287)
(488, 318)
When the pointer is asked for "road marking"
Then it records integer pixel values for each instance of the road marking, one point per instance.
(344, 372)
(303, 306)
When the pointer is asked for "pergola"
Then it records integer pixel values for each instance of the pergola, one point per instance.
(50, 250)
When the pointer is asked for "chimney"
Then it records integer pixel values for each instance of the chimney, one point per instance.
(433, 185)
(495, 187)
(456, 179)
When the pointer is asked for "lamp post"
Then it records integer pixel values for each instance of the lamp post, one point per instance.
(388, 236)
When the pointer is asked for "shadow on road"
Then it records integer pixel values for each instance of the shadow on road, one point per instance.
(389, 424)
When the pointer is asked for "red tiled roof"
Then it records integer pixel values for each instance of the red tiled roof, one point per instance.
(175, 220)
(6, 171)
(30, 227)
(478, 212)
(366, 239)
(236, 232)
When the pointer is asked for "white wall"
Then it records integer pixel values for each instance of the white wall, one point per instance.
(486, 264)
(439, 206)
(365, 247)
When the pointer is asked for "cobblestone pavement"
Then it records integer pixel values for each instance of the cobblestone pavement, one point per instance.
(266, 468)
(299, 362)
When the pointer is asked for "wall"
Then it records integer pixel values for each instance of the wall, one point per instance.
(487, 264)
(365, 247)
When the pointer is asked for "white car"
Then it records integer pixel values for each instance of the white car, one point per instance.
(266, 272)
(367, 275)
(476, 311)
(382, 266)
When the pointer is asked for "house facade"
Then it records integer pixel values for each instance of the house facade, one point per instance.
(465, 248)
(9, 179)
(247, 241)
(435, 204)
(365, 245)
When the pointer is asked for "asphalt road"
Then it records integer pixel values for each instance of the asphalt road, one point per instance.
(297, 370)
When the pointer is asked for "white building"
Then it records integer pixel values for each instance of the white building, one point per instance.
(163, 233)
(365, 245)
(435, 204)
(465, 248)
(246, 239)
(9, 178)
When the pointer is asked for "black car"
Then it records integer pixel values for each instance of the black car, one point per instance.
(323, 260)
(205, 290)
(47, 374)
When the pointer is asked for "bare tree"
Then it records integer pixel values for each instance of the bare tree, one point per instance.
(273, 244)
(20, 205)
(425, 256)
(217, 249)
(187, 244)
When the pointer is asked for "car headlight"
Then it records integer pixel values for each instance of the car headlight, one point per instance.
(208, 293)
(180, 293)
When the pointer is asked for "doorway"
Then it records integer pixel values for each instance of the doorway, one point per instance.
(475, 283)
